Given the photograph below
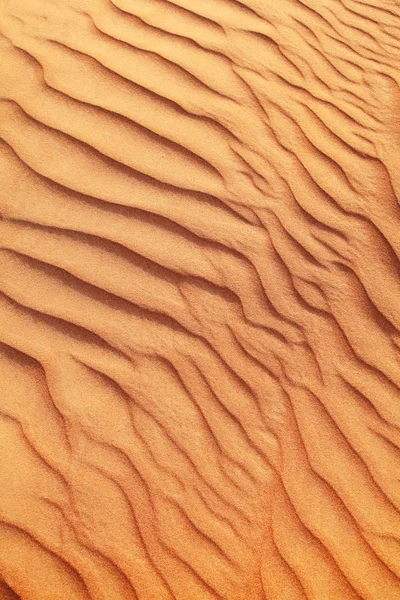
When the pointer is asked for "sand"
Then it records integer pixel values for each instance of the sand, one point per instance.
(200, 300)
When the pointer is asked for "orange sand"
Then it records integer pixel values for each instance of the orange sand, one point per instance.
(200, 300)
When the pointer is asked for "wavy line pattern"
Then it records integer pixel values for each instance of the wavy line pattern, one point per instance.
(200, 294)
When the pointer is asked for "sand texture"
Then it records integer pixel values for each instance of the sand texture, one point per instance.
(200, 300)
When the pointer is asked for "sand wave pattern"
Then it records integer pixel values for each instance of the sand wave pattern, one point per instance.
(200, 300)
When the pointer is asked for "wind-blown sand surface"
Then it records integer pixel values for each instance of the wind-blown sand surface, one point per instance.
(200, 299)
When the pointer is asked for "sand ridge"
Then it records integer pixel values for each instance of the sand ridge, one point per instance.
(199, 304)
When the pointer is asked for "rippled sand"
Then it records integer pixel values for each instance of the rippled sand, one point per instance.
(200, 300)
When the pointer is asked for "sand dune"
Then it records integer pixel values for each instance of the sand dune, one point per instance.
(200, 300)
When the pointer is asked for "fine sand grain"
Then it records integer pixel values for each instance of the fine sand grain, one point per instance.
(200, 300)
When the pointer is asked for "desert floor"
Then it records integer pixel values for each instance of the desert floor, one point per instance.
(200, 300)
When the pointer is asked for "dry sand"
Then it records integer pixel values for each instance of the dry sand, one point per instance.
(200, 299)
